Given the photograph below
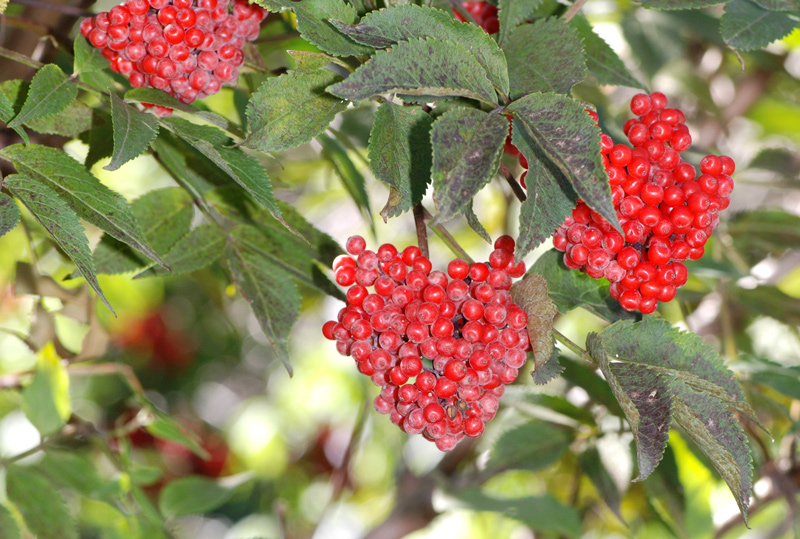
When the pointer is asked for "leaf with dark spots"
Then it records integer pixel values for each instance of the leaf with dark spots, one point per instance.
(601, 59)
(531, 294)
(568, 137)
(467, 147)
(426, 67)
(9, 214)
(550, 370)
(511, 14)
(50, 92)
(134, 130)
(385, 27)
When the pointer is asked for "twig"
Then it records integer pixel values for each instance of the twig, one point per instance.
(573, 10)
(563, 339)
(447, 238)
(422, 231)
(19, 58)
(512, 181)
(61, 8)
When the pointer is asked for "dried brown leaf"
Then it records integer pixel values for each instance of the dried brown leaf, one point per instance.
(531, 294)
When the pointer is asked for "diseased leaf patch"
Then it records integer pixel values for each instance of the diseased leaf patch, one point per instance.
(659, 373)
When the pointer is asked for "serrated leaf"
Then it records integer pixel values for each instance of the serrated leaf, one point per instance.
(425, 67)
(165, 427)
(511, 14)
(313, 18)
(100, 138)
(308, 61)
(60, 222)
(531, 294)
(747, 26)
(715, 430)
(42, 507)
(569, 138)
(6, 108)
(50, 92)
(164, 215)
(8, 524)
(351, 177)
(570, 289)
(152, 96)
(200, 248)
(551, 369)
(134, 130)
(400, 155)
(269, 290)
(290, 110)
(244, 169)
(550, 198)
(192, 495)
(188, 166)
(70, 122)
(72, 470)
(467, 147)
(601, 59)
(87, 57)
(779, 5)
(474, 223)
(531, 71)
(680, 4)
(12, 96)
(531, 446)
(386, 27)
(82, 192)
(542, 513)
(9, 214)
(594, 468)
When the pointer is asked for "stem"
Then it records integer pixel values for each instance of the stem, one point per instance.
(422, 232)
(67, 432)
(19, 58)
(109, 368)
(447, 238)
(61, 8)
(512, 181)
(456, 6)
(563, 339)
(573, 10)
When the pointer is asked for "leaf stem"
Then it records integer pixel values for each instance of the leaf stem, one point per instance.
(20, 58)
(573, 10)
(447, 238)
(512, 181)
(563, 339)
(461, 10)
(422, 231)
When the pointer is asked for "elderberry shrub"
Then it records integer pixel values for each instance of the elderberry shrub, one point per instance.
(442, 346)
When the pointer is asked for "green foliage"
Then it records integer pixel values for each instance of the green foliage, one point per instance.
(748, 26)
(191, 495)
(601, 59)
(313, 21)
(531, 71)
(42, 507)
(531, 446)
(133, 132)
(87, 58)
(511, 14)
(419, 67)
(594, 468)
(400, 156)
(50, 92)
(467, 146)
(9, 214)
(351, 177)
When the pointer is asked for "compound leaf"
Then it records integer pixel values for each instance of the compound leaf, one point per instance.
(290, 110)
(400, 155)
(426, 67)
(532, 71)
(467, 147)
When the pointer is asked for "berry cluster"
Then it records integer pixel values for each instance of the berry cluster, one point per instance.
(186, 48)
(441, 346)
(667, 213)
(484, 13)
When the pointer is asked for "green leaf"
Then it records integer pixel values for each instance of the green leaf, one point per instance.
(87, 57)
(6, 108)
(165, 427)
(594, 468)
(779, 160)
(290, 110)
(779, 5)
(400, 155)
(151, 96)
(467, 147)
(715, 430)
(7, 522)
(12, 95)
(550, 198)
(680, 4)
(552, 403)
(9, 214)
(70, 122)
(244, 169)
(531, 446)
(541, 513)
(601, 59)
(579, 374)
(308, 62)
(532, 71)
(50, 92)
(657, 371)
(426, 67)
(511, 14)
(201, 247)
(666, 493)
(84, 193)
(72, 470)
(60, 222)
(552, 368)
(165, 216)
(100, 138)
(767, 301)
(269, 290)
(312, 22)
(532, 296)
(569, 138)
(134, 130)
(352, 179)
(192, 495)
(46, 400)
(761, 232)
(570, 289)
(386, 27)
(747, 26)
(474, 223)
(42, 508)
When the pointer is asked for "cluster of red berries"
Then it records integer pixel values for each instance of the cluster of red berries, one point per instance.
(186, 48)
(441, 346)
(666, 211)
(484, 13)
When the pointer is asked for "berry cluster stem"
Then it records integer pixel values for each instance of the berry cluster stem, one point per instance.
(447, 238)
(422, 232)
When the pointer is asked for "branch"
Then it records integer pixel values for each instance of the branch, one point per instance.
(573, 10)
(512, 181)
(422, 232)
